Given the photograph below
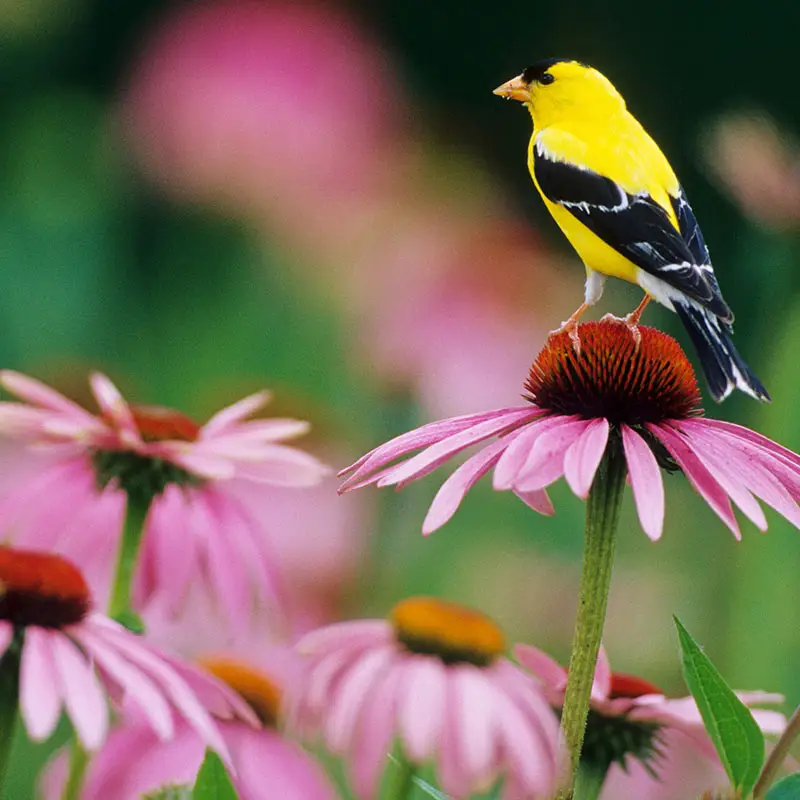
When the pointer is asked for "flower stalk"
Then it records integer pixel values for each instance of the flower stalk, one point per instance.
(589, 781)
(78, 761)
(119, 608)
(401, 781)
(9, 701)
(778, 755)
(602, 517)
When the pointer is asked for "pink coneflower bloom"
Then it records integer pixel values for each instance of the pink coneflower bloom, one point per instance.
(266, 765)
(642, 399)
(197, 527)
(631, 721)
(434, 678)
(74, 658)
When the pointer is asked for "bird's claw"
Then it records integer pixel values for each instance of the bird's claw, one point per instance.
(570, 327)
(631, 322)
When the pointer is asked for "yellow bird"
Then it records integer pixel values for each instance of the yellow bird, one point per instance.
(614, 195)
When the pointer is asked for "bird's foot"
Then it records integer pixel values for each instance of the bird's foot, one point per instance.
(570, 327)
(631, 322)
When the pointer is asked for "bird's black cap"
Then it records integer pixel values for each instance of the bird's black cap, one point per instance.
(535, 71)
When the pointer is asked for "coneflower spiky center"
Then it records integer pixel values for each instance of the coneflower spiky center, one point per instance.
(41, 589)
(614, 377)
(452, 632)
(256, 689)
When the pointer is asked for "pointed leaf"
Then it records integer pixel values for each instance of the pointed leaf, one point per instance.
(213, 782)
(729, 723)
(787, 789)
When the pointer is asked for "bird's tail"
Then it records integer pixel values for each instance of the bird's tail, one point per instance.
(724, 368)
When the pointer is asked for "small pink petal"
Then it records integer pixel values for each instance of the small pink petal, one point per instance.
(421, 706)
(113, 406)
(517, 454)
(352, 634)
(601, 686)
(542, 666)
(583, 457)
(40, 701)
(545, 464)
(233, 414)
(39, 394)
(454, 489)
(538, 500)
(646, 483)
(702, 480)
(476, 707)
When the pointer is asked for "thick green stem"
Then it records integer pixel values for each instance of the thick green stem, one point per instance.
(589, 782)
(401, 778)
(777, 756)
(9, 701)
(119, 607)
(78, 762)
(602, 516)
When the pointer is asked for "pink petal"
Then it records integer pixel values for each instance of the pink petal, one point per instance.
(517, 454)
(113, 406)
(39, 394)
(601, 686)
(703, 481)
(212, 467)
(646, 483)
(745, 434)
(427, 435)
(451, 771)
(421, 706)
(233, 414)
(258, 432)
(84, 699)
(454, 489)
(545, 464)
(583, 457)
(538, 500)
(353, 634)
(477, 723)
(347, 704)
(40, 701)
(435, 455)
(542, 666)
(376, 729)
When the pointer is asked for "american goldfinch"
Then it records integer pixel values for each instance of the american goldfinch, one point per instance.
(614, 195)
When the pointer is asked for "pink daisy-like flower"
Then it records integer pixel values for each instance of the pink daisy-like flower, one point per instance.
(641, 398)
(198, 527)
(73, 658)
(434, 678)
(632, 724)
(266, 765)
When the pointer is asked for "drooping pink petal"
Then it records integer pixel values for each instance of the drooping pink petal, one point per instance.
(423, 437)
(541, 665)
(538, 500)
(435, 455)
(584, 455)
(39, 394)
(545, 463)
(702, 480)
(601, 686)
(256, 433)
(646, 482)
(455, 488)
(83, 697)
(421, 706)
(354, 633)
(113, 406)
(40, 701)
(516, 456)
(233, 414)
(451, 771)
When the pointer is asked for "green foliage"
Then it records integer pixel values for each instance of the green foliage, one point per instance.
(213, 782)
(730, 724)
(786, 789)
(170, 793)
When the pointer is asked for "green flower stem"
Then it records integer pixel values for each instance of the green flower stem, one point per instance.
(78, 761)
(119, 607)
(9, 701)
(589, 782)
(401, 776)
(602, 516)
(777, 756)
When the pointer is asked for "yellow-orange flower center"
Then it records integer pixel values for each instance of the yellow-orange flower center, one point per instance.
(452, 632)
(614, 377)
(158, 423)
(41, 589)
(258, 691)
(631, 686)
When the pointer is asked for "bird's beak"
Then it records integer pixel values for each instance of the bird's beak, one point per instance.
(515, 89)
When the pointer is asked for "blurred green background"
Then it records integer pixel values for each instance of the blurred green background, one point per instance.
(143, 235)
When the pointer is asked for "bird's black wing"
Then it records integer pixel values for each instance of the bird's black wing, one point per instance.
(636, 227)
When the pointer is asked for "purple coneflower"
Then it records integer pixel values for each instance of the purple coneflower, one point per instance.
(433, 677)
(183, 476)
(641, 399)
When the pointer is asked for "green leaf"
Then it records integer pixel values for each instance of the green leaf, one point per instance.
(787, 789)
(170, 793)
(213, 782)
(730, 724)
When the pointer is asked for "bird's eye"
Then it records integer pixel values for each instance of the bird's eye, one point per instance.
(546, 79)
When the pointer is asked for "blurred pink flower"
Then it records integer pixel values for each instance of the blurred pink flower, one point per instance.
(197, 528)
(265, 106)
(266, 765)
(578, 405)
(759, 165)
(434, 677)
(72, 657)
(666, 722)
